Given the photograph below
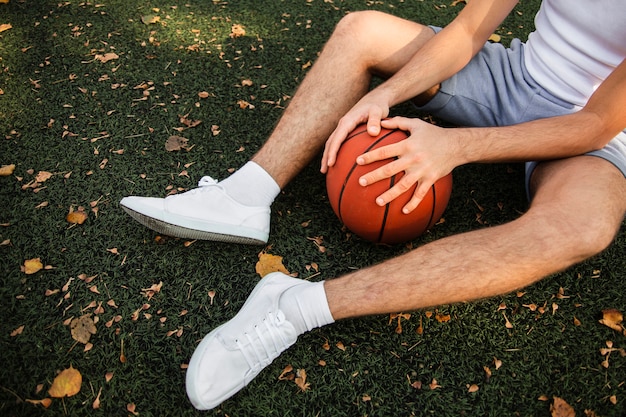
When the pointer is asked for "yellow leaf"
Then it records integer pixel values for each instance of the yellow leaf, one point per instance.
(612, 318)
(495, 38)
(270, 263)
(66, 384)
(5, 26)
(7, 170)
(150, 18)
(473, 388)
(76, 217)
(32, 266)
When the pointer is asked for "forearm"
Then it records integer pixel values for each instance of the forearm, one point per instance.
(447, 52)
(543, 139)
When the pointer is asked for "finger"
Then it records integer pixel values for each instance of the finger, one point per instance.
(399, 122)
(416, 199)
(373, 122)
(329, 157)
(388, 170)
(379, 154)
(396, 191)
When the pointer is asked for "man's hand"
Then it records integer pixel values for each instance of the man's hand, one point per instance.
(425, 156)
(368, 110)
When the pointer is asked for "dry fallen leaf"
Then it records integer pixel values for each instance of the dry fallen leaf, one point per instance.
(96, 403)
(612, 318)
(176, 143)
(32, 266)
(5, 26)
(7, 170)
(66, 384)
(237, 30)
(82, 328)
(106, 57)
(43, 176)
(399, 316)
(495, 37)
(286, 374)
(300, 380)
(76, 217)
(17, 331)
(270, 263)
(153, 290)
(560, 408)
(46, 402)
(150, 18)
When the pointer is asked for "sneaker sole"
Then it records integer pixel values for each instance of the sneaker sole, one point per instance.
(174, 230)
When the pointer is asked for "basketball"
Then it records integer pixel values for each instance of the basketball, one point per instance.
(355, 205)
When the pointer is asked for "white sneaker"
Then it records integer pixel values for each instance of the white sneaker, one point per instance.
(229, 357)
(205, 213)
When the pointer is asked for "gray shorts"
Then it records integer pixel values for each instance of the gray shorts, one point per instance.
(495, 89)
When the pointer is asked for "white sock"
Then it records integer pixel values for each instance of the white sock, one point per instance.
(306, 307)
(251, 185)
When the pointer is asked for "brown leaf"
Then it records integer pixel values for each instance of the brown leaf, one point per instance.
(96, 403)
(66, 384)
(43, 176)
(270, 263)
(189, 122)
(17, 331)
(153, 290)
(5, 26)
(237, 31)
(286, 374)
(82, 328)
(45, 403)
(176, 143)
(560, 408)
(442, 318)
(106, 57)
(300, 380)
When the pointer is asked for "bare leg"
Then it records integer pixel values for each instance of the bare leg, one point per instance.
(578, 206)
(363, 44)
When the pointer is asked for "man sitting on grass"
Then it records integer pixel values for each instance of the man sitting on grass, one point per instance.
(559, 100)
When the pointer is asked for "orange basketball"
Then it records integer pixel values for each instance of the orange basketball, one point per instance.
(355, 205)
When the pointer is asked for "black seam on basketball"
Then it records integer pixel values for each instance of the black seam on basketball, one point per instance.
(383, 224)
(354, 165)
(434, 206)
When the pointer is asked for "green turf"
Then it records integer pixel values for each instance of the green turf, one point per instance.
(90, 124)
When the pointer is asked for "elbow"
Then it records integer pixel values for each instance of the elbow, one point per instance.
(601, 128)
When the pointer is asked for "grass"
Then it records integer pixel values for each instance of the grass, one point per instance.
(100, 129)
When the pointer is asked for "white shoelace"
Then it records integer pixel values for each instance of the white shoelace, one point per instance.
(261, 350)
(206, 181)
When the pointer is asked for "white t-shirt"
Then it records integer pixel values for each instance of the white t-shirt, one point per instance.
(576, 45)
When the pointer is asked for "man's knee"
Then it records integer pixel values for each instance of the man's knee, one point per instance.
(582, 202)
